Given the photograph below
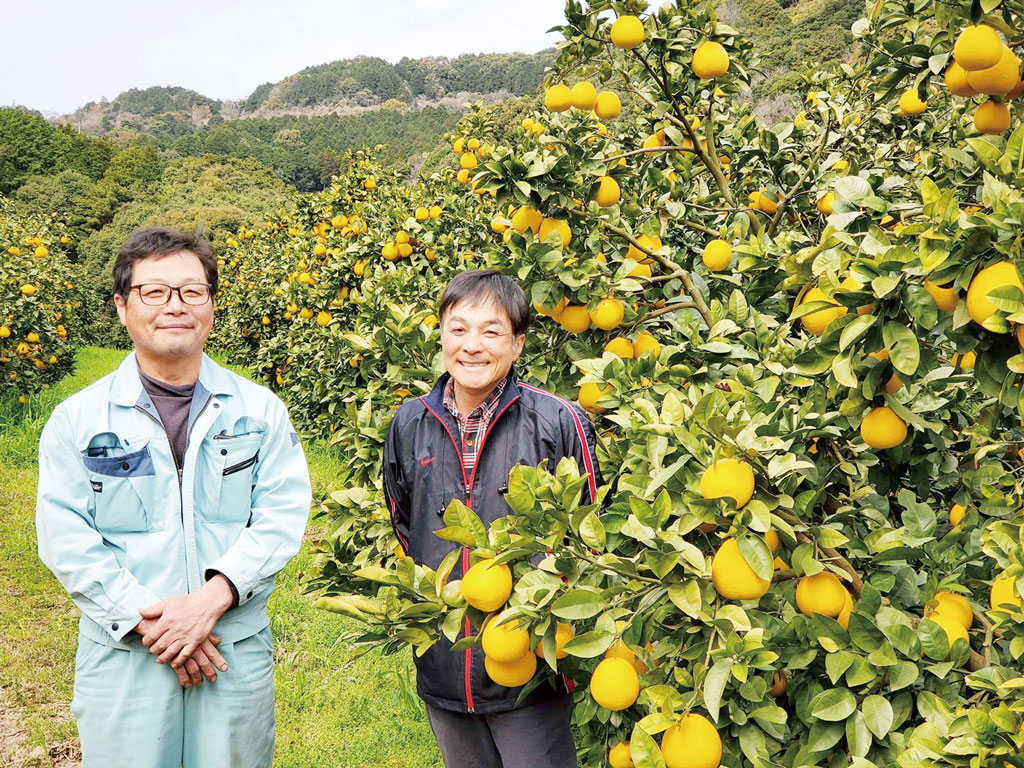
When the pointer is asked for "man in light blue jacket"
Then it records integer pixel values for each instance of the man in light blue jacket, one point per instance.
(170, 493)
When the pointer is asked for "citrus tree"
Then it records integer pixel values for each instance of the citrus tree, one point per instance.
(38, 304)
(800, 346)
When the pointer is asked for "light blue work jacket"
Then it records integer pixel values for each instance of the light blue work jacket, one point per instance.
(121, 529)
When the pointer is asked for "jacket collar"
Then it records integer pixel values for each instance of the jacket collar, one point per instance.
(435, 398)
(127, 387)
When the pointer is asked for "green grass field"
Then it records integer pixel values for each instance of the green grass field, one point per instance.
(330, 711)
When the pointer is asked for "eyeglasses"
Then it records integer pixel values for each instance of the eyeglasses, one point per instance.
(158, 294)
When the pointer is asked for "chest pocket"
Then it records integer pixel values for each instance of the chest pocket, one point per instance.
(237, 454)
(122, 484)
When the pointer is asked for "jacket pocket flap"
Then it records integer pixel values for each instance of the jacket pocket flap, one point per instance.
(136, 464)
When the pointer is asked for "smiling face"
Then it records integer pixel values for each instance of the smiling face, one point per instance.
(169, 339)
(479, 348)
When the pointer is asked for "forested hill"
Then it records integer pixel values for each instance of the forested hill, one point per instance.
(340, 87)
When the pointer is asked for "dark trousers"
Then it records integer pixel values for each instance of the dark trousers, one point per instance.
(536, 735)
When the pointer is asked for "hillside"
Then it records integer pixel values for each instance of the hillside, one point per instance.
(338, 88)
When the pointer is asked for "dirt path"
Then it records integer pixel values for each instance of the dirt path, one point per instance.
(18, 751)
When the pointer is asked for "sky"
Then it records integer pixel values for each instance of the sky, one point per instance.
(57, 55)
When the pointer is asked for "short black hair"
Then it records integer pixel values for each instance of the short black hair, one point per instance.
(162, 241)
(479, 285)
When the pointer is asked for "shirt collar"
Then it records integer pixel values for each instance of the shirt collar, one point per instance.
(487, 407)
(127, 387)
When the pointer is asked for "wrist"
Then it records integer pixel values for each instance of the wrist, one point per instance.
(219, 593)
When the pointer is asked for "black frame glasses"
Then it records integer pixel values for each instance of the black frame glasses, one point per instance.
(196, 299)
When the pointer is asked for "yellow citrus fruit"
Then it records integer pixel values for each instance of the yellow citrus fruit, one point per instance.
(977, 48)
(910, 103)
(511, 674)
(692, 742)
(999, 274)
(779, 683)
(965, 363)
(473, 145)
(817, 322)
(844, 615)
(956, 81)
(645, 342)
(305, 313)
(468, 161)
(952, 604)
(824, 203)
(841, 165)
(462, 176)
(554, 313)
(619, 757)
(608, 314)
(717, 255)
(653, 141)
(547, 226)
(40, 252)
(339, 221)
(370, 183)
(504, 642)
(620, 346)
(1004, 592)
(28, 289)
(583, 95)
(733, 577)
(728, 477)
(992, 117)
(588, 397)
(323, 318)
(710, 60)
(5, 332)
(389, 252)
(882, 428)
(404, 250)
(459, 145)
(422, 213)
(526, 218)
(956, 514)
(563, 634)
(32, 337)
(608, 192)
(821, 593)
(946, 299)
(498, 225)
(627, 32)
(575, 318)
(558, 98)
(435, 211)
(615, 684)
(608, 105)
(641, 270)
(997, 80)
(951, 626)
(759, 201)
(486, 586)
(527, 124)
(771, 538)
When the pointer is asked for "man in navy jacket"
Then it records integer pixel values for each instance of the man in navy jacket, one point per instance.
(460, 442)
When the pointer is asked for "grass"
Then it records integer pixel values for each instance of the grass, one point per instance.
(330, 711)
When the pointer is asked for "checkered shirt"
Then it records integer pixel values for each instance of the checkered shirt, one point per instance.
(473, 427)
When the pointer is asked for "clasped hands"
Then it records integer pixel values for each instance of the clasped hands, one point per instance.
(179, 631)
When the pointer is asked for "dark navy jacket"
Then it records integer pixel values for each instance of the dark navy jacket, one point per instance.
(423, 473)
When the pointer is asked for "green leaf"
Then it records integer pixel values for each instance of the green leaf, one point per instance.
(458, 514)
(590, 644)
(714, 686)
(858, 736)
(592, 532)
(878, 714)
(902, 674)
(757, 555)
(934, 641)
(686, 597)
(458, 534)
(578, 604)
(904, 349)
(644, 750)
(855, 330)
(833, 705)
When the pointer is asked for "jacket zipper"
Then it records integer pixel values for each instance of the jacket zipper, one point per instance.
(242, 465)
(469, 503)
